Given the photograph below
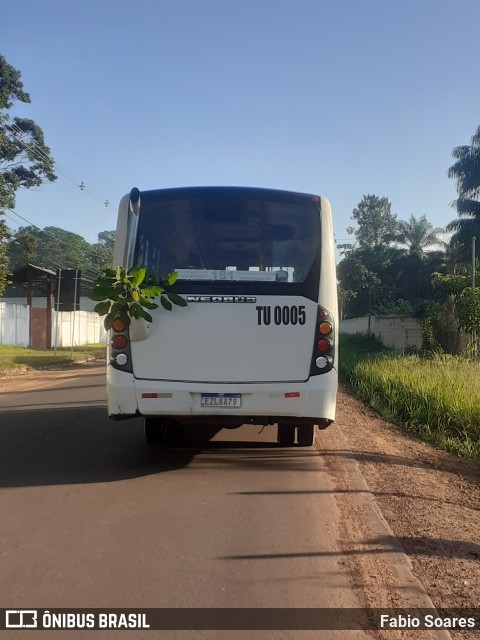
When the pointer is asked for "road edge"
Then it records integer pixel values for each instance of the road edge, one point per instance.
(334, 445)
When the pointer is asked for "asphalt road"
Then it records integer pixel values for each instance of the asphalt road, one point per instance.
(91, 516)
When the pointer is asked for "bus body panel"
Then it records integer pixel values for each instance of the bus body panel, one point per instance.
(313, 399)
(215, 339)
(328, 297)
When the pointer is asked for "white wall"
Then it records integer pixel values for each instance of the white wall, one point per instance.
(14, 324)
(86, 304)
(396, 332)
(83, 327)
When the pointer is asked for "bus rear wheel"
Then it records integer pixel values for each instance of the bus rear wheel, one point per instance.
(173, 431)
(154, 430)
(286, 435)
(306, 435)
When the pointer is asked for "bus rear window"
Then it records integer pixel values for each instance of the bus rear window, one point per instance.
(228, 236)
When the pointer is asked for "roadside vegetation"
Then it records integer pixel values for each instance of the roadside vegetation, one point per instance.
(21, 358)
(435, 397)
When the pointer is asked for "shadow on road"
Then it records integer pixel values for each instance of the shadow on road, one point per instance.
(80, 445)
(385, 544)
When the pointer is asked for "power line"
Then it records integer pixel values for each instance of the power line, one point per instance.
(40, 154)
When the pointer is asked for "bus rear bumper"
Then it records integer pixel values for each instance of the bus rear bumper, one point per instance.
(310, 401)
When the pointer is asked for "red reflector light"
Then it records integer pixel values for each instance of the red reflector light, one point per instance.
(118, 325)
(119, 342)
(292, 394)
(322, 314)
(324, 345)
(325, 328)
(149, 395)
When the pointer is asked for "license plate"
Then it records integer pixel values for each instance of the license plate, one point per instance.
(228, 400)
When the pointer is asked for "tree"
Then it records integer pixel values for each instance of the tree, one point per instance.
(22, 248)
(378, 276)
(363, 282)
(25, 160)
(54, 248)
(377, 225)
(363, 271)
(102, 251)
(419, 234)
(4, 234)
(453, 309)
(466, 171)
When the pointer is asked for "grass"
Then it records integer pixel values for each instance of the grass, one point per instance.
(15, 358)
(437, 398)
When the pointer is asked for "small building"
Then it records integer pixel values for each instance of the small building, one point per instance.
(35, 282)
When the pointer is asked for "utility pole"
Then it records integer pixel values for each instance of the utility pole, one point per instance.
(473, 261)
(474, 335)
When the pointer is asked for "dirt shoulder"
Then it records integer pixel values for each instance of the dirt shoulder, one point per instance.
(429, 498)
(12, 380)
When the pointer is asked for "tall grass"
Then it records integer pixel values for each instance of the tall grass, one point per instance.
(437, 398)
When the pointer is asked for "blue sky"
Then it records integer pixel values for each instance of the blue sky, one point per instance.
(340, 98)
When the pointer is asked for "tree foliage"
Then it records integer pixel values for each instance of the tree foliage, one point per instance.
(25, 160)
(419, 234)
(102, 251)
(389, 261)
(377, 226)
(453, 310)
(53, 247)
(466, 172)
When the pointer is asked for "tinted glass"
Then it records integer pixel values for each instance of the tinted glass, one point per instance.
(228, 234)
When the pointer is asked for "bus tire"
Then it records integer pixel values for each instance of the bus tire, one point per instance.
(286, 435)
(306, 435)
(173, 431)
(154, 430)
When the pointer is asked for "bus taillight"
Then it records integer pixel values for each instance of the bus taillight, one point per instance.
(120, 353)
(324, 345)
(119, 325)
(325, 328)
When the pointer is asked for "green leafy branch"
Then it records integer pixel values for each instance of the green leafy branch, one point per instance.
(130, 294)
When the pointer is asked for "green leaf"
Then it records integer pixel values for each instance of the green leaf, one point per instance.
(139, 276)
(118, 307)
(176, 299)
(99, 295)
(136, 310)
(102, 308)
(148, 305)
(108, 322)
(172, 278)
(147, 316)
(165, 303)
(151, 291)
(124, 317)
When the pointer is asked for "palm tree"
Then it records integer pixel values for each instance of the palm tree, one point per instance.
(466, 172)
(419, 234)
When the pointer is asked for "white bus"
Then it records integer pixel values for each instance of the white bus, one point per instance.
(258, 342)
